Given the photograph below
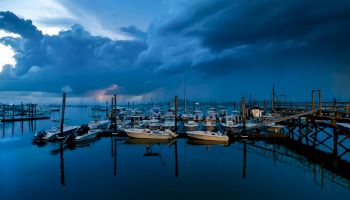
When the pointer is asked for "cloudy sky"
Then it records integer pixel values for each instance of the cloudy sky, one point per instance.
(143, 49)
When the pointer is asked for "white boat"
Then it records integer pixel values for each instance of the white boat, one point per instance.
(238, 128)
(53, 133)
(91, 134)
(274, 128)
(228, 124)
(150, 134)
(208, 135)
(198, 115)
(209, 124)
(344, 126)
(99, 124)
(191, 125)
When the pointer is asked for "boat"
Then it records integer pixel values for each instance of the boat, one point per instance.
(191, 125)
(208, 135)
(198, 115)
(150, 134)
(53, 133)
(274, 128)
(209, 124)
(344, 126)
(91, 134)
(99, 124)
(228, 124)
(238, 128)
(169, 122)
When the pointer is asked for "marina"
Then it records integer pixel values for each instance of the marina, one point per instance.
(313, 141)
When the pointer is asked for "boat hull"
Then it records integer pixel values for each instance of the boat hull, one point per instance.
(141, 133)
(88, 136)
(203, 136)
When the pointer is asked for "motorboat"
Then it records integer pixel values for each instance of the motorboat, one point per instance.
(99, 124)
(150, 134)
(54, 133)
(89, 135)
(191, 125)
(208, 135)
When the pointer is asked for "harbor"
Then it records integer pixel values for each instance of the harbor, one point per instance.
(310, 138)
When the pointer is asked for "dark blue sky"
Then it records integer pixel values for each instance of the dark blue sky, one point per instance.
(144, 48)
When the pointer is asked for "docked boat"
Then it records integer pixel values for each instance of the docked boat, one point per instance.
(238, 128)
(344, 126)
(53, 133)
(150, 134)
(99, 124)
(274, 128)
(191, 125)
(209, 124)
(91, 134)
(227, 125)
(198, 115)
(208, 135)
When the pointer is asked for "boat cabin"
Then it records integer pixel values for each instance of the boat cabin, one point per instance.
(255, 111)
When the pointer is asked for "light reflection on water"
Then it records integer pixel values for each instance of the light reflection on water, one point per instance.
(122, 168)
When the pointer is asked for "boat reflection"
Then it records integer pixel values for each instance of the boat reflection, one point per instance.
(206, 142)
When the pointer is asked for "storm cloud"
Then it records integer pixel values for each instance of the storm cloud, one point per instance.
(218, 42)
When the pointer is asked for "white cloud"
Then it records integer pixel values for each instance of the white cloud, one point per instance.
(7, 34)
(7, 56)
(51, 17)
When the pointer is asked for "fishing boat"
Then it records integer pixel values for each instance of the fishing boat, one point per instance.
(150, 134)
(209, 124)
(198, 115)
(227, 125)
(208, 135)
(53, 133)
(274, 128)
(91, 134)
(191, 125)
(238, 128)
(99, 124)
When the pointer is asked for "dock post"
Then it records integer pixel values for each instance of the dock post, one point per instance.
(3, 112)
(335, 141)
(273, 99)
(244, 117)
(22, 109)
(13, 111)
(115, 113)
(234, 105)
(176, 105)
(34, 110)
(63, 110)
(335, 107)
(313, 101)
(319, 102)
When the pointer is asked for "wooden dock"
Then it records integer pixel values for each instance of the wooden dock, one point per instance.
(18, 119)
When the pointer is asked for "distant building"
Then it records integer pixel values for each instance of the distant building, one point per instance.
(255, 111)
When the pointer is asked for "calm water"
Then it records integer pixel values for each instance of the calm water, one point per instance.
(117, 168)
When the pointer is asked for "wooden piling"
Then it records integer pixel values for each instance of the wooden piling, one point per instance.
(273, 99)
(13, 111)
(244, 115)
(176, 107)
(3, 112)
(63, 110)
(115, 113)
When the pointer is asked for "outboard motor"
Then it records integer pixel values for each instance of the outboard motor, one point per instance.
(38, 137)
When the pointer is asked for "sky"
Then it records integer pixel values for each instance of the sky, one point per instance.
(217, 50)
